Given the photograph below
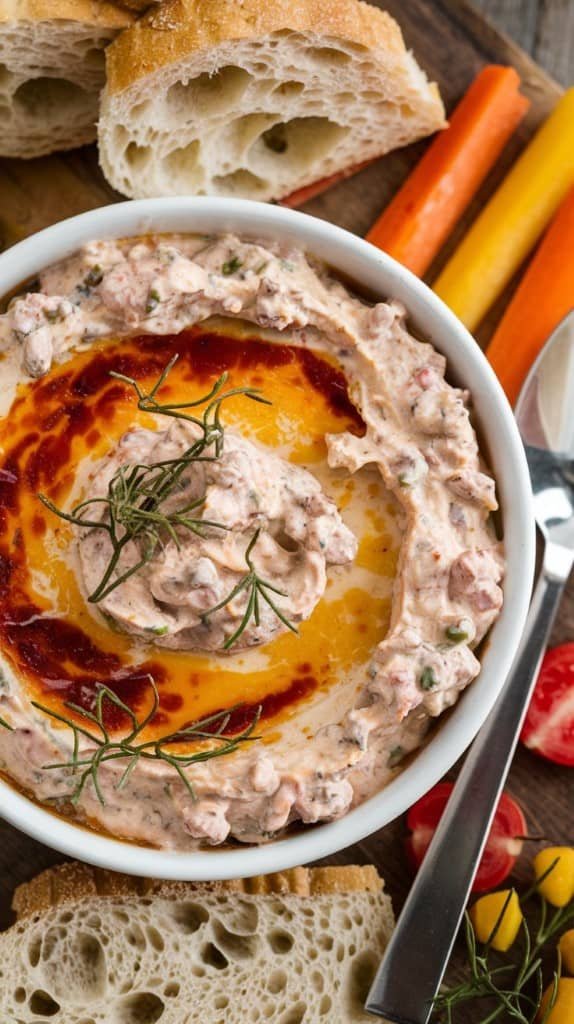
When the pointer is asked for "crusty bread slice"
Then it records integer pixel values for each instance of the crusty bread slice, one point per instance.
(90, 945)
(52, 71)
(257, 99)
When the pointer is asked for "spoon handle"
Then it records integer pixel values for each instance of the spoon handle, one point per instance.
(420, 947)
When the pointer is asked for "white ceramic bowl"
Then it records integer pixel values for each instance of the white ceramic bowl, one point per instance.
(385, 278)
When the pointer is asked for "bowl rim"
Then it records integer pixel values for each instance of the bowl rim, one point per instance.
(359, 260)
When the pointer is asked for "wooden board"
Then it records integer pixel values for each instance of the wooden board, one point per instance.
(452, 42)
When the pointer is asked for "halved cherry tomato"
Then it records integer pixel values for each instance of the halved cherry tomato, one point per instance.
(502, 847)
(549, 725)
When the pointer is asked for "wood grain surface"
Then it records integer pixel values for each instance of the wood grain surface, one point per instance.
(452, 41)
(544, 28)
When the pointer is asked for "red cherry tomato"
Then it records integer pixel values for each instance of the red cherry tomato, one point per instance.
(502, 847)
(549, 725)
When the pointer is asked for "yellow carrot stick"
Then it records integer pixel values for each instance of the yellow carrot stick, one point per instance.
(508, 227)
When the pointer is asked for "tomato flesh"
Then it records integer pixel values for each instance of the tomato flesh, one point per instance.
(549, 725)
(502, 847)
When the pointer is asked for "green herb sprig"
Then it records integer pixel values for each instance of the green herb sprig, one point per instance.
(510, 991)
(256, 589)
(133, 505)
(210, 732)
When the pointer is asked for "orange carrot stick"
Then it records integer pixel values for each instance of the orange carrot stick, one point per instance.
(424, 211)
(543, 298)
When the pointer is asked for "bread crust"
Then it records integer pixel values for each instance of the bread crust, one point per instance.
(179, 28)
(96, 13)
(76, 883)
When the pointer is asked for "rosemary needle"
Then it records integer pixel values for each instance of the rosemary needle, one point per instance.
(211, 733)
(255, 588)
(507, 991)
(133, 505)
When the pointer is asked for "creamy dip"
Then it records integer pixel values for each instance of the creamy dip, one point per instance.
(300, 533)
(418, 436)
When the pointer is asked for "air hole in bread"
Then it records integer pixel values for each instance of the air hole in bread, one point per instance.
(135, 937)
(280, 941)
(171, 990)
(42, 1004)
(288, 90)
(299, 143)
(90, 960)
(208, 94)
(6, 79)
(136, 156)
(317, 981)
(276, 982)
(295, 1014)
(183, 167)
(242, 132)
(240, 182)
(34, 950)
(344, 98)
(362, 972)
(328, 56)
(140, 109)
(140, 1008)
(95, 58)
(236, 947)
(155, 938)
(244, 918)
(189, 916)
(372, 96)
(121, 137)
(43, 97)
(325, 1006)
(213, 957)
(20, 995)
(221, 1002)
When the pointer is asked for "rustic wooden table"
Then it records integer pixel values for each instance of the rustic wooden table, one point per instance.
(453, 43)
(544, 28)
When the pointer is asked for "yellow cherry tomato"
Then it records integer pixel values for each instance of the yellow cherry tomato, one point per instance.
(485, 913)
(558, 886)
(563, 1010)
(566, 947)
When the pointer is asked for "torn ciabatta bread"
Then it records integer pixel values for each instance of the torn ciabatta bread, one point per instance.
(52, 71)
(300, 945)
(257, 99)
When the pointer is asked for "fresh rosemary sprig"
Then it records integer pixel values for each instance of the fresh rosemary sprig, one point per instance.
(210, 732)
(210, 423)
(510, 991)
(136, 493)
(256, 588)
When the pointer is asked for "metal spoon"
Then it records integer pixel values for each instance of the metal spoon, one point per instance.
(420, 947)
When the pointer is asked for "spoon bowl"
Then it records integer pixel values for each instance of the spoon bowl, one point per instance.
(546, 423)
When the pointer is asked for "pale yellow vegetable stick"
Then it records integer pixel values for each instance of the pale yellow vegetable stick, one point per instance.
(510, 224)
